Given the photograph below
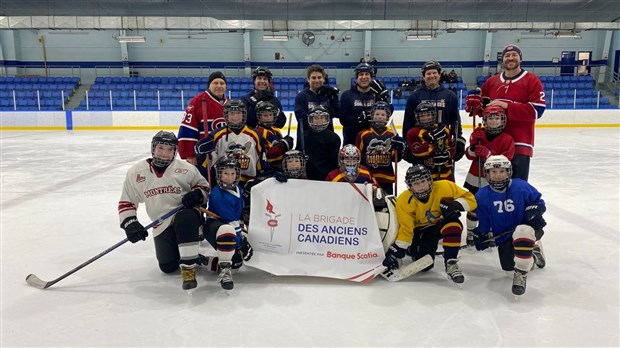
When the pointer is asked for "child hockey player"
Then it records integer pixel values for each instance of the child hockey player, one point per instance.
(427, 212)
(485, 142)
(163, 183)
(275, 144)
(320, 144)
(380, 147)
(510, 213)
(350, 168)
(431, 142)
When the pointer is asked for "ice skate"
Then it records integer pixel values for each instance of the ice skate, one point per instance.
(454, 272)
(188, 273)
(518, 282)
(470, 238)
(539, 257)
(225, 277)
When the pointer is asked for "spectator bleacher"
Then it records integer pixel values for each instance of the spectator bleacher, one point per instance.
(569, 92)
(36, 93)
(173, 93)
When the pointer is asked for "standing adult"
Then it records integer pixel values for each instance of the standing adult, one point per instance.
(521, 94)
(355, 103)
(445, 102)
(204, 113)
(316, 94)
(261, 77)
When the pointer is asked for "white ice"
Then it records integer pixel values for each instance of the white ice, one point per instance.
(59, 196)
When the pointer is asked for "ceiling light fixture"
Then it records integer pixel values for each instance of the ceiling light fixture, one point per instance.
(131, 39)
(419, 37)
(275, 37)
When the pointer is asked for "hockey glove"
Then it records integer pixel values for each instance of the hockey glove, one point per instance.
(481, 241)
(328, 91)
(245, 248)
(134, 229)
(261, 96)
(441, 157)
(398, 144)
(362, 119)
(288, 140)
(533, 216)
(483, 152)
(478, 136)
(450, 207)
(192, 198)
(280, 177)
(473, 103)
(437, 135)
(392, 256)
(460, 149)
(379, 89)
(205, 146)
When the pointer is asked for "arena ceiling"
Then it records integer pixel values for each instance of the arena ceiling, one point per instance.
(399, 11)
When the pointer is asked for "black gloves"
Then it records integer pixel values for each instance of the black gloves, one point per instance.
(460, 148)
(134, 229)
(192, 198)
(261, 96)
(288, 142)
(482, 242)
(533, 216)
(328, 91)
(280, 177)
(392, 256)
(205, 146)
(399, 144)
(437, 135)
(450, 207)
(379, 89)
(245, 248)
(441, 157)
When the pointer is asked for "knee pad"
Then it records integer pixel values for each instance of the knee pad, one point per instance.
(169, 267)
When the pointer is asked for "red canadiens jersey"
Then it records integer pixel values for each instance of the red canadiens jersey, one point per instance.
(526, 103)
(192, 127)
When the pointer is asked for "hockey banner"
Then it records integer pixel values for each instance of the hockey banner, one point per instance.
(314, 228)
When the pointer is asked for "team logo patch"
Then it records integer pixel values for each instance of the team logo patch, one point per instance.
(378, 153)
(180, 171)
(140, 178)
(239, 152)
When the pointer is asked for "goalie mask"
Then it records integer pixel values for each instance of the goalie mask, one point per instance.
(235, 114)
(494, 119)
(419, 181)
(349, 159)
(163, 155)
(380, 113)
(425, 115)
(266, 113)
(294, 164)
(318, 118)
(498, 171)
(227, 173)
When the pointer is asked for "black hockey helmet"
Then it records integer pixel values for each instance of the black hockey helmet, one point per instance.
(430, 65)
(314, 113)
(165, 138)
(294, 164)
(226, 162)
(235, 105)
(415, 173)
(261, 71)
(363, 67)
(380, 105)
(264, 108)
(423, 109)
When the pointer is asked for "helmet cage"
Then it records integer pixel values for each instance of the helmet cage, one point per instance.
(494, 112)
(417, 173)
(164, 138)
(227, 163)
(293, 172)
(235, 106)
(349, 159)
(313, 119)
(498, 161)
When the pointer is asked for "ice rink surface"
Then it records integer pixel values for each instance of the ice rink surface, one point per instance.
(59, 194)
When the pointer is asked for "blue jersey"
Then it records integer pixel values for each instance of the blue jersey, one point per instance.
(226, 203)
(498, 212)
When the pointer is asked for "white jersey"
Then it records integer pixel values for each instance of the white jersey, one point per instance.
(159, 192)
(247, 147)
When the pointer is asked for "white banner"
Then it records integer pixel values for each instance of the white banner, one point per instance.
(314, 228)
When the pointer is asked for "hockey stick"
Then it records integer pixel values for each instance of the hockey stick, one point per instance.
(36, 282)
(395, 159)
(407, 271)
(488, 240)
(204, 118)
(290, 120)
(209, 213)
(300, 125)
